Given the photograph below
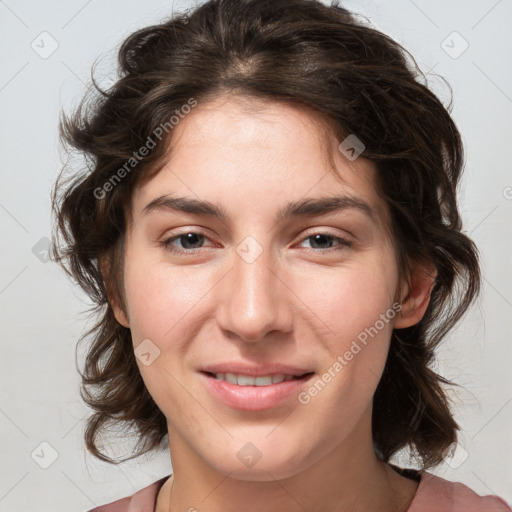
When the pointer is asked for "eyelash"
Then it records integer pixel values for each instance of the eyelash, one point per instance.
(167, 244)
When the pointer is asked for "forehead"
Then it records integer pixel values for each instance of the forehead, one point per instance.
(254, 155)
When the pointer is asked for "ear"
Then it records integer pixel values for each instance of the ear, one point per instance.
(416, 297)
(113, 298)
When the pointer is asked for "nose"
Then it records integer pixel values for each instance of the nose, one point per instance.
(254, 300)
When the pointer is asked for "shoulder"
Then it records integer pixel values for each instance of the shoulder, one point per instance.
(142, 501)
(435, 494)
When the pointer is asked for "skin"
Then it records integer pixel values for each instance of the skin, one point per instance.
(298, 302)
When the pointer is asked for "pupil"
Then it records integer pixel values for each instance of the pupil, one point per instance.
(189, 238)
(317, 238)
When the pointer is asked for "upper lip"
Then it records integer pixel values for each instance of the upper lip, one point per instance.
(255, 370)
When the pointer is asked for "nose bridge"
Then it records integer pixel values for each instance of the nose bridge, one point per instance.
(253, 300)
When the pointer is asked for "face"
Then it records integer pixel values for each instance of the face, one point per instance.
(264, 285)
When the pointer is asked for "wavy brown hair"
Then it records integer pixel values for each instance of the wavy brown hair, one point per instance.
(309, 55)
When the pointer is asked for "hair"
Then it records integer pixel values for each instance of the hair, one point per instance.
(306, 54)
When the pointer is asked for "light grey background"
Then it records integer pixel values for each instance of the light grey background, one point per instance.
(42, 313)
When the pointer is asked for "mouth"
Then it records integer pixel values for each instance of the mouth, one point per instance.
(249, 393)
(240, 379)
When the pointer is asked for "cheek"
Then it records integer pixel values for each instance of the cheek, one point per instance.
(161, 301)
(355, 315)
(160, 296)
(349, 299)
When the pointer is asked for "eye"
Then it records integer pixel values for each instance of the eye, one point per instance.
(327, 239)
(190, 242)
(193, 241)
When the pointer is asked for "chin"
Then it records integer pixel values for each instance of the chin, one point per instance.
(258, 461)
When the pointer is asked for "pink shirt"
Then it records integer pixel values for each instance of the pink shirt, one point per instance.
(434, 494)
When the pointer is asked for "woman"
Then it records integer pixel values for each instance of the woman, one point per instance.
(286, 351)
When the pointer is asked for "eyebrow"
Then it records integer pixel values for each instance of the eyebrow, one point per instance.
(309, 207)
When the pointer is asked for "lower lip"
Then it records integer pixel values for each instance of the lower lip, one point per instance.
(254, 398)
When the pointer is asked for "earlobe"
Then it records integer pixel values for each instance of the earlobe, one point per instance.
(120, 315)
(113, 300)
(417, 298)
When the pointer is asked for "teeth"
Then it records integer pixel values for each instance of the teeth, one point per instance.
(247, 380)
